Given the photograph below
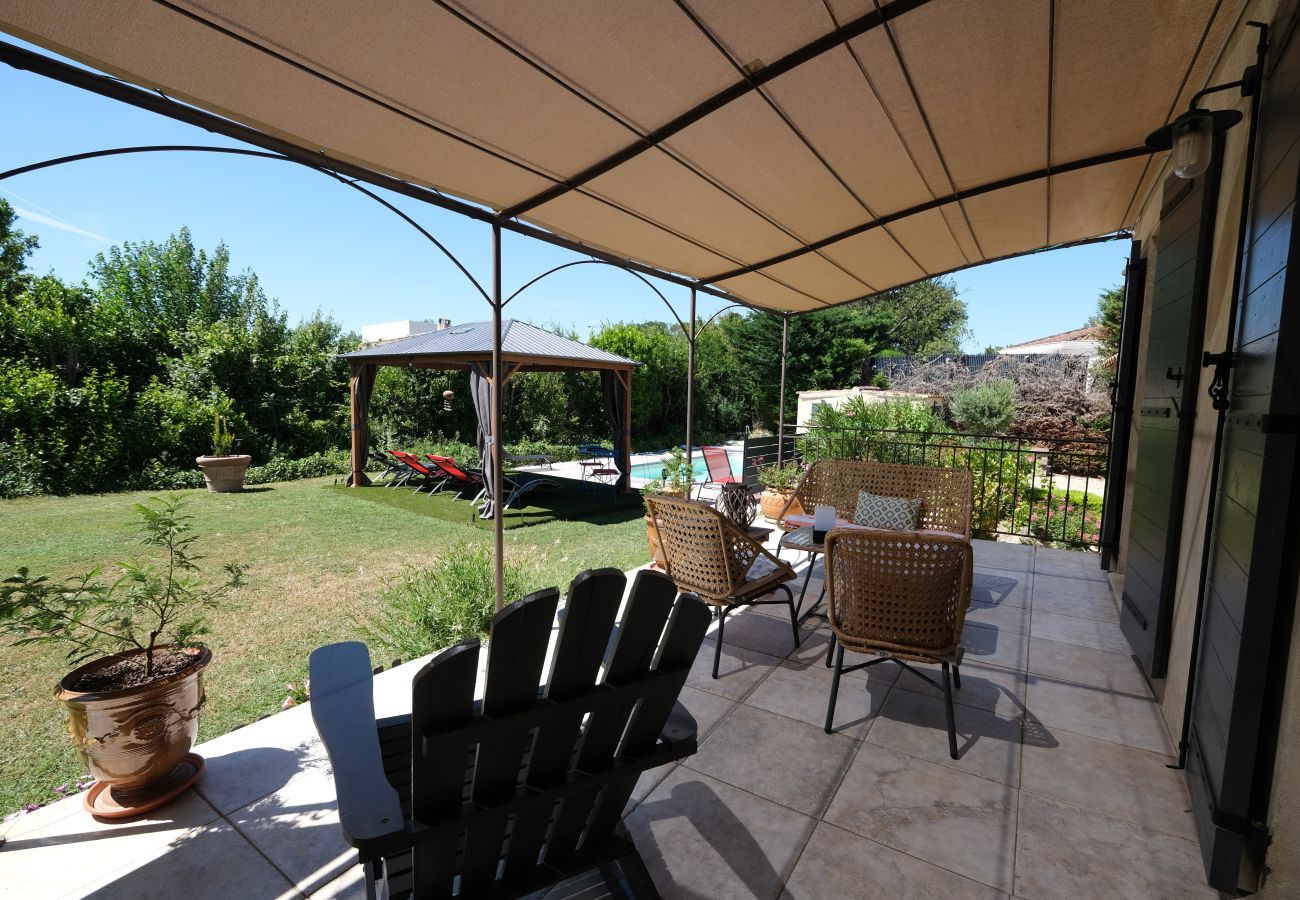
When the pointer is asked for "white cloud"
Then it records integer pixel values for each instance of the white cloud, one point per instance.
(60, 225)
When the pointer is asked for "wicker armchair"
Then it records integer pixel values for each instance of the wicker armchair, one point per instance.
(945, 493)
(713, 558)
(902, 595)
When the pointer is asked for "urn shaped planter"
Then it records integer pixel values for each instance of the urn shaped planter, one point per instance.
(224, 474)
(136, 741)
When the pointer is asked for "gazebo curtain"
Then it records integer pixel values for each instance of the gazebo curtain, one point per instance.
(480, 390)
(616, 403)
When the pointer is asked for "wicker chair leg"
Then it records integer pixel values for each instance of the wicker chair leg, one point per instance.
(956, 677)
(794, 614)
(830, 648)
(717, 645)
(835, 689)
(952, 722)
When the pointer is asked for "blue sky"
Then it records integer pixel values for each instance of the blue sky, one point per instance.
(316, 244)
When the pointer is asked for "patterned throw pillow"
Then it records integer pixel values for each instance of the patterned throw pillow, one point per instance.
(892, 513)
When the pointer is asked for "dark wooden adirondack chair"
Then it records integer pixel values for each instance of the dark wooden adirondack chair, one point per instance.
(524, 788)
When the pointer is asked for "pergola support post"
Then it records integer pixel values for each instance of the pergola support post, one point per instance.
(494, 443)
(780, 414)
(690, 390)
(626, 377)
(361, 384)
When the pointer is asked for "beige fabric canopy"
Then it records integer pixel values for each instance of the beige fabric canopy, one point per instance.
(796, 153)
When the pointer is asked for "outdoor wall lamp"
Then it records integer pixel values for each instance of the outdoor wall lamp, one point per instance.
(1191, 135)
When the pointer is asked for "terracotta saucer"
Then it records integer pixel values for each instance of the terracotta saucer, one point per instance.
(104, 803)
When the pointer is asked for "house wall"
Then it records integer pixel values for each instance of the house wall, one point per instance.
(1283, 877)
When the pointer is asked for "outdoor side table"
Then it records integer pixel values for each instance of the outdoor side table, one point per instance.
(802, 539)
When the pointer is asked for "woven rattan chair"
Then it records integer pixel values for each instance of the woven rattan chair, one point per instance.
(945, 493)
(713, 558)
(902, 595)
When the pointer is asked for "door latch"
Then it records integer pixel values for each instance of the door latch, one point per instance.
(1176, 376)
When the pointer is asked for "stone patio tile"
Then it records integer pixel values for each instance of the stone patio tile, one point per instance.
(962, 822)
(701, 837)
(993, 646)
(766, 634)
(351, 885)
(999, 615)
(1096, 712)
(993, 688)
(297, 828)
(1102, 609)
(801, 692)
(1084, 632)
(68, 852)
(1129, 784)
(837, 863)
(1004, 555)
(251, 762)
(645, 783)
(708, 709)
(987, 745)
(1069, 563)
(1071, 853)
(739, 672)
(1063, 586)
(211, 863)
(789, 762)
(1084, 665)
(812, 650)
(1001, 587)
(42, 818)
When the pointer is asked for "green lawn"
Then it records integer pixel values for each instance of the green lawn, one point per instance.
(317, 556)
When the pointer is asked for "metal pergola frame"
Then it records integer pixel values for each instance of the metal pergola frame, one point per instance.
(505, 219)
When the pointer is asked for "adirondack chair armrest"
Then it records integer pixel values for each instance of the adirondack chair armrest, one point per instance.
(343, 708)
(680, 728)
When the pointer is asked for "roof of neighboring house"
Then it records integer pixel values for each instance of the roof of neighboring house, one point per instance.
(458, 345)
(1087, 333)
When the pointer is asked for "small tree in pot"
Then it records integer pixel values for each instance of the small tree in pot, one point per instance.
(224, 470)
(133, 708)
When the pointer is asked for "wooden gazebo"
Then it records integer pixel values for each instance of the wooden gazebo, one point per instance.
(468, 347)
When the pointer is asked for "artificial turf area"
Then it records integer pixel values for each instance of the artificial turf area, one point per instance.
(317, 556)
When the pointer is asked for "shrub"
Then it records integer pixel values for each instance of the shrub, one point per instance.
(1058, 518)
(855, 430)
(985, 408)
(425, 610)
(880, 380)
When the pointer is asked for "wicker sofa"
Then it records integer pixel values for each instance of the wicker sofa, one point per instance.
(945, 493)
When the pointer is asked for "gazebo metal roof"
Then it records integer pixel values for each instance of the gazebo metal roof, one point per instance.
(458, 346)
(792, 153)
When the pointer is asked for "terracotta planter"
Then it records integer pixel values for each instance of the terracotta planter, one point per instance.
(133, 737)
(656, 549)
(224, 474)
(772, 501)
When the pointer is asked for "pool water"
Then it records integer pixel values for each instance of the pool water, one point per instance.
(650, 470)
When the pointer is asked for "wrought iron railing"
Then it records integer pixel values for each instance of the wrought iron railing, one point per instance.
(1043, 489)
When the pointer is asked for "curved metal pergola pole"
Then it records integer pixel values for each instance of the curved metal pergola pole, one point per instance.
(261, 154)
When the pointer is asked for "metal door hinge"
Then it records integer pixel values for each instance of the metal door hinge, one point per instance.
(1222, 363)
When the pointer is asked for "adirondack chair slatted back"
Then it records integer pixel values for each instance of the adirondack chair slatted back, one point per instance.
(533, 774)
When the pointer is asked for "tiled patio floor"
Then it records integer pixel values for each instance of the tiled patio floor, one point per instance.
(1061, 788)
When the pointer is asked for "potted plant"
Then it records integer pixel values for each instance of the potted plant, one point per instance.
(675, 481)
(779, 481)
(134, 697)
(224, 470)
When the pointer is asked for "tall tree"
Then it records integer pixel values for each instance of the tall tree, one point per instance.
(15, 248)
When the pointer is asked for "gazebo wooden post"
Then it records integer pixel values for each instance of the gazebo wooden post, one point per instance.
(361, 382)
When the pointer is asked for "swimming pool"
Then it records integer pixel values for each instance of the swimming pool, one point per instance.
(649, 470)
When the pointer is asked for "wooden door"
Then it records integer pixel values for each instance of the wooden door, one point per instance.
(1166, 412)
